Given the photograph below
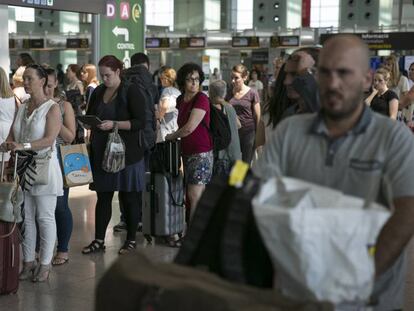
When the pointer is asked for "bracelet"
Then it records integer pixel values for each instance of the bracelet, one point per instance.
(27, 146)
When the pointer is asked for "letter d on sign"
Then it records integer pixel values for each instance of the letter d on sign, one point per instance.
(110, 10)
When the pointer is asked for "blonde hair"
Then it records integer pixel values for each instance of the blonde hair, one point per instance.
(242, 69)
(5, 89)
(91, 70)
(18, 76)
(170, 75)
(385, 73)
(394, 70)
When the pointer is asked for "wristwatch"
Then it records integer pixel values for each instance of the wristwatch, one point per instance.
(27, 146)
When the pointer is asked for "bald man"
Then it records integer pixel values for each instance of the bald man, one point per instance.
(348, 147)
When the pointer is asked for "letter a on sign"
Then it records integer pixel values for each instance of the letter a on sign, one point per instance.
(110, 10)
(125, 10)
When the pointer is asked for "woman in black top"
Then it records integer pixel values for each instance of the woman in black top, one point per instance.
(383, 100)
(114, 101)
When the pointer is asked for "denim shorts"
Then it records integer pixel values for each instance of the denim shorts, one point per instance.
(198, 168)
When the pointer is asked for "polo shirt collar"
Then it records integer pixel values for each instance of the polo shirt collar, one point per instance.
(318, 126)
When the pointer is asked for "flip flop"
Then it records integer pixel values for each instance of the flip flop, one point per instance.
(58, 261)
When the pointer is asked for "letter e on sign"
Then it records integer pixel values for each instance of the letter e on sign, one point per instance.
(124, 10)
(110, 9)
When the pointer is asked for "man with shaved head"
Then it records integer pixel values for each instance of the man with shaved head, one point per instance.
(348, 147)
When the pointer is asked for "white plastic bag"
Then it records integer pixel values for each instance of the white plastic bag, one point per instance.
(319, 239)
(114, 155)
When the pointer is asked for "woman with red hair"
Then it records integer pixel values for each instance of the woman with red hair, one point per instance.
(115, 102)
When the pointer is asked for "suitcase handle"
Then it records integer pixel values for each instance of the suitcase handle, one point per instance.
(2, 166)
(10, 233)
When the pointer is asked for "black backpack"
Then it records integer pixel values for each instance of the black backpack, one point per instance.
(148, 136)
(219, 127)
(223, 237)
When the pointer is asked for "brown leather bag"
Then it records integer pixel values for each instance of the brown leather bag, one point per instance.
(135, 283)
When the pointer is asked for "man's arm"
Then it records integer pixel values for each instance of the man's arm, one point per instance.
(395, 234)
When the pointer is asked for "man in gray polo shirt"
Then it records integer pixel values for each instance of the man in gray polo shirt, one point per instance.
(350, 148)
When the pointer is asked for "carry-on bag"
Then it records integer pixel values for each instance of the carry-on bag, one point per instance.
(136, 283)
(223, 238)
(166, 158)
(75, 165)
(10, 214)
(321, 240)
(163, 206)
(11, 196)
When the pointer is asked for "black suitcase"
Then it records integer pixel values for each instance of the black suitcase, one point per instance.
(163, 211)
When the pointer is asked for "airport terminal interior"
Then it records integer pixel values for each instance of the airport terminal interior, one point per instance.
(204, 160)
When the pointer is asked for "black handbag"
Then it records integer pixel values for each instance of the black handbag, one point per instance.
(166, 158)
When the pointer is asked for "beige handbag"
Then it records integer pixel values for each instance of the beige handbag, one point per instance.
(40, 167)
(11, 196)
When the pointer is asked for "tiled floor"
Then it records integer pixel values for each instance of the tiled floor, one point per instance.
(72, 286)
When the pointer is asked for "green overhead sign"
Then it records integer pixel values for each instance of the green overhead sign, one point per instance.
(122, 29)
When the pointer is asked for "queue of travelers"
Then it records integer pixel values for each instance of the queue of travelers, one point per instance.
(323, 109)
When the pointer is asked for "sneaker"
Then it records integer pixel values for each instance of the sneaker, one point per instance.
(120, 227)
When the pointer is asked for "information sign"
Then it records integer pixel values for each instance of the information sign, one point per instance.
(122, 30)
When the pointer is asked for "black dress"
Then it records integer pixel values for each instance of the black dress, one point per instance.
(131, 178)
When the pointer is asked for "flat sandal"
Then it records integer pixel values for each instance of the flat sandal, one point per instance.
(94, 247)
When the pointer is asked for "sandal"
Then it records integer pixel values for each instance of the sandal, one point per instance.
(42, 274)
(28, 271)
(174, 241)
(127, 247)
(58, 261)
(94, 247)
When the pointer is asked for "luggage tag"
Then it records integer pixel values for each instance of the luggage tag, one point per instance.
(238, 174)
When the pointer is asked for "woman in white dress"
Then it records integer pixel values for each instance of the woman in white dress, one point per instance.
(166, 113)
(35, 128)
(7, 108)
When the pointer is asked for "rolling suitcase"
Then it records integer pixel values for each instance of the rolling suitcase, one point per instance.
(9, 251)
(9, 258)
(163, 210)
